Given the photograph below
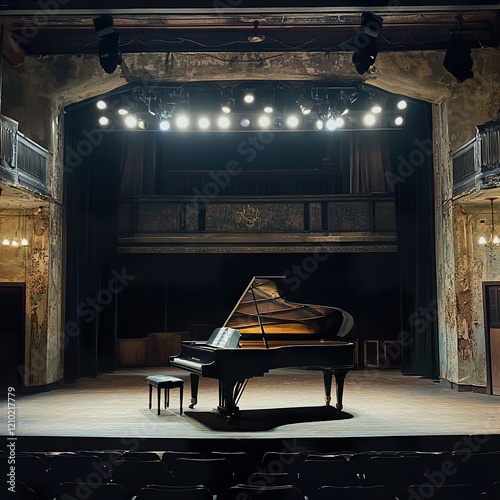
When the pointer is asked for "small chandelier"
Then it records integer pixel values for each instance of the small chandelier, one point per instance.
(493, 240)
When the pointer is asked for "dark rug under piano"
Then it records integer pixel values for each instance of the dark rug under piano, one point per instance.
(267, 419)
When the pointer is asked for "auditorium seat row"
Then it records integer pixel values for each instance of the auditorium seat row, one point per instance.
(304, 473)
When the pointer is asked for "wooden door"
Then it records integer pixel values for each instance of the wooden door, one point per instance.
(493, 338)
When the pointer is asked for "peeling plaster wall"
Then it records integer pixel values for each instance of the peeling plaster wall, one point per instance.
(29, 265)
(36, 93)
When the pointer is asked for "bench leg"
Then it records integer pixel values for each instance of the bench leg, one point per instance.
(167, 397)
(150, 395)
(159, 399)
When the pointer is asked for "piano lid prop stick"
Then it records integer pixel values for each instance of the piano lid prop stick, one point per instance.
(259, 318)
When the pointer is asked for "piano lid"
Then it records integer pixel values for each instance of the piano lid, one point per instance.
(262, 307)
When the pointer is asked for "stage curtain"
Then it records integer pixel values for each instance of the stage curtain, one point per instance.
(412, 180)
(369, 160)
(93, 281)
(138, 167)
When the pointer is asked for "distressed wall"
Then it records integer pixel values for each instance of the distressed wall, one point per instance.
(36, 93)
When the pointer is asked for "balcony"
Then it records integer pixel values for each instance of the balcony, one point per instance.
(22, 161)
(274, 224)
(476, 165)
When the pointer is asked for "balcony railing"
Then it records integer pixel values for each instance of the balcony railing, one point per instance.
(476, 165)
(22, 161)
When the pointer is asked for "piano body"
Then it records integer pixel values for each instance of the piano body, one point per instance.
(265, 332)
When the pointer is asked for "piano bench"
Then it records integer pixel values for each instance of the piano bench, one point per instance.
(166, 383)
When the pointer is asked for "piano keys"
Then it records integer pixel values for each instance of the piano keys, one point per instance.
(265, 332)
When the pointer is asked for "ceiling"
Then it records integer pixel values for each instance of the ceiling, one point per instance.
(231, 25)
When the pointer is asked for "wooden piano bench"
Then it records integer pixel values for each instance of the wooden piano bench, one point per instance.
(164, 382)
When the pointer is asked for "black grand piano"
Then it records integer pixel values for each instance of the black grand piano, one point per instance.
(265, 332)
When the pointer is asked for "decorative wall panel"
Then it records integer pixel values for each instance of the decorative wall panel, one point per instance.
(349, 216)
(158, 217)
(280, 217)
(385, 216)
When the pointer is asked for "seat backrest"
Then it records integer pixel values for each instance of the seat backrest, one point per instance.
(275, 461)
(316, 473)
(353, 493)
(242, 463)
(444, 492)
(135, 475)
(270, 479)
(246, 492)
(92, 491)
(169, 457)
(214, 473)
(154, 492)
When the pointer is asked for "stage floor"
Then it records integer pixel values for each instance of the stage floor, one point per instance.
(376, 404)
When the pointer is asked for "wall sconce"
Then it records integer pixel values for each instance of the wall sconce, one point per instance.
(493, 240)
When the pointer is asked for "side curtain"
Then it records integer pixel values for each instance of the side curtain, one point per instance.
(93, 281)
(412, 180)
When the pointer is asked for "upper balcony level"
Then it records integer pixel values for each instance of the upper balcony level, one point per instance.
(23, 162)
(476, 165)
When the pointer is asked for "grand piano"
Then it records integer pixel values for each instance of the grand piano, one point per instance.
(265, 332)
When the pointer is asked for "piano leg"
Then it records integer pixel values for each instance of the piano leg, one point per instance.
(195, 378)
(340, 377)
(230, 391)
(327, 380)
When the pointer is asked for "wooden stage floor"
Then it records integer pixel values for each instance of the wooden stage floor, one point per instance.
(381, 409)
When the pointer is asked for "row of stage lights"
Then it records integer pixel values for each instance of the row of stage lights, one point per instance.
(305, 118)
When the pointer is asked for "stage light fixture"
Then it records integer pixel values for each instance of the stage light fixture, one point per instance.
(369, 120)
(339, 122)
(305, 105)
(264, 121)
(131, 121)
(398, 121)
(248, 97)
(292, 121)
(319, 124)
(227, 105)
(124, 110)
(245, 122)
(331, 124)
(142, 124)
(402, 104)
(204, 123)
(223, 122)
(164, 125)
(376, 109)
(109, 46)
(268, 109)
(104, 121)
(182, 121)
(101, 104)
(366, 40)
(458, 60)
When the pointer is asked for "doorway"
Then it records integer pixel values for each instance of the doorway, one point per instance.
(12, 313)
(491, 299)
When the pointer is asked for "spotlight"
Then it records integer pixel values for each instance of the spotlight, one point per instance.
(319, 124)
(339, 122)
(142, 124)
(104, 121)
(330, 124)
(268, 109)
(292, 121)
(376, 109)
(5, 242)
(402, 104)
(458, 60)
(305, 105)
(364, 57)
(123, 110)
(227, 105)
(249, 97)
(101, 105)
(131, 121)
(164, 125)
(109, 46)
(223, 122)
(369, 120)
(264, 121)
(204, 123)
(398, 121)
(182, 121)
(245, 122)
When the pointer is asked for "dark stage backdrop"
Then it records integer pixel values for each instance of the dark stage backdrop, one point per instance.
(110, 296)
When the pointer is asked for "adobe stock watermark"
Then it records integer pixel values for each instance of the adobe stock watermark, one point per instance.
(248, 149)
(406, 166)
(87, 309)
(298, 273)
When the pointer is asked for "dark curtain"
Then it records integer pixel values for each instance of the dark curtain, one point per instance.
(93, 281)
(369, 160)
(412, 180)
(138, 166)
